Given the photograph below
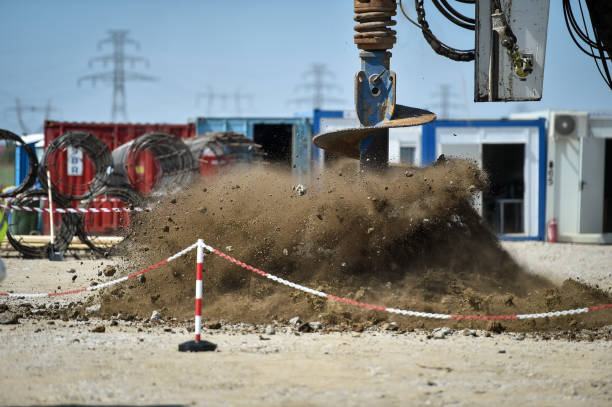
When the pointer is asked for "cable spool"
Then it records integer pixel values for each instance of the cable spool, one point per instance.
(22, 223)
(93, 226)
(66, 187)
(374, 19)
(215, 150)
(154, 161)
(30, 177)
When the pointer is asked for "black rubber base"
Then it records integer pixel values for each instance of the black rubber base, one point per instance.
(53, 254)
(197, 346)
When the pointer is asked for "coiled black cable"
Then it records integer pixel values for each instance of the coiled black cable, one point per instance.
(119, 198)
(30, 177)
(66, 189)
(36, 198)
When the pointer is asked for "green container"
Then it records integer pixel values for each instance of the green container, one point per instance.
(23, 223)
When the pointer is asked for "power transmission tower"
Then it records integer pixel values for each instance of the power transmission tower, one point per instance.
(238, 98)
(316, 77)
(211, 96)
(445, 105)
(118, 76)
(20, 109)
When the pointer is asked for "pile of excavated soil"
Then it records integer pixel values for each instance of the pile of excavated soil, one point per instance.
(409, 239)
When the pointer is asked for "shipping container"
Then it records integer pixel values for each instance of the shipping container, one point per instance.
(114, 135)
(579, 176)
(321, 124)
(513, 152)
(75, 179)
(22, 162)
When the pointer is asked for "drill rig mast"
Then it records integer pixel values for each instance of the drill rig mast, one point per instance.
(375, 91)
(509, 52)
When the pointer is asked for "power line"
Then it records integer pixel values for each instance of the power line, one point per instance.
(316, 82)
(118, 76)
(211, 97)
(20, 109)
(445, 105)
(238, 97)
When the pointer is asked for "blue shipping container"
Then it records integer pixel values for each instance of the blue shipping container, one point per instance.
(285, 140)
(22, 162)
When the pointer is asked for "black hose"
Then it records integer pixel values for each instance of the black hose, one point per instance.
(438, 46)
(599, 22)
(96, 150)
(454, 16)
(33, 199)
(128, 198)
(30, 177)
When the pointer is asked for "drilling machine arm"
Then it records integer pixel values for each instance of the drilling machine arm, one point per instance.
(508, 67)
(375, 91)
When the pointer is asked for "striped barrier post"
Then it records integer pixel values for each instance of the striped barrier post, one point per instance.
(198, 297)
(52, 253)
(198, 345)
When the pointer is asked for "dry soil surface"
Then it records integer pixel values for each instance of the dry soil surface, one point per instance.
(50, 361)
(410, 240)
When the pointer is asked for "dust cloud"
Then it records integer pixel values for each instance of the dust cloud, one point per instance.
(407, 239)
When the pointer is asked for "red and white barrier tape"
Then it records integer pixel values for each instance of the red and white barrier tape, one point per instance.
(44, 198)
(401, 311)
(72, 210)
(108, 283)
(301, 288)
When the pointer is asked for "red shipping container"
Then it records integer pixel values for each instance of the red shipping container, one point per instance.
(114, 135)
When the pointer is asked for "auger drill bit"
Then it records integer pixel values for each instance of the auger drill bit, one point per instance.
(375, 91)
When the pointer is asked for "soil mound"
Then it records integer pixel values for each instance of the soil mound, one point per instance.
(409, 239)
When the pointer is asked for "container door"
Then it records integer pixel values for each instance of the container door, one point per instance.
(301, 148)
(591, 184)
(469, 152)
(565, 189)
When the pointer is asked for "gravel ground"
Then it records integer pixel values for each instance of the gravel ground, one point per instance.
(53, 362)
(69, 364)
(560, 261)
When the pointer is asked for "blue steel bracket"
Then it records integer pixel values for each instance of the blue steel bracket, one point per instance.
(377, 111)
(375, 88)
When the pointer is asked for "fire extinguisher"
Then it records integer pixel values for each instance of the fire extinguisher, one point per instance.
(552, 231)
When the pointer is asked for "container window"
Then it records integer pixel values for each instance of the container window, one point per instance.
(407, 155)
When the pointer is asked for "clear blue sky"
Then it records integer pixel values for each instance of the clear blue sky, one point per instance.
(260, 47)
